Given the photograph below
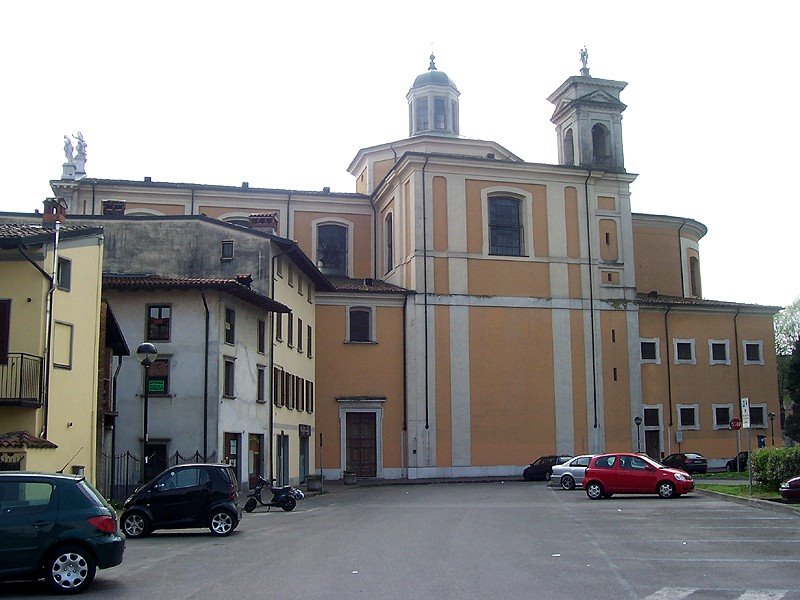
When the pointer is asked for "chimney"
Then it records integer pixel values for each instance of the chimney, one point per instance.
(114, 208)
(245, 184)
(326, 190)
(267, 222)
(148, 180)
(55, 209)
(245, 279)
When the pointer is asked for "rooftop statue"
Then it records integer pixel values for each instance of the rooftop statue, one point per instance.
(68, 151)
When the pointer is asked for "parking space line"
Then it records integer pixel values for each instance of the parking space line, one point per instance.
(670, 593)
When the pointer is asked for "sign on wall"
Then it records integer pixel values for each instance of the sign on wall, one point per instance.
(745, 413)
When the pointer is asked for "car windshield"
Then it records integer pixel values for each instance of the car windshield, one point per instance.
(652, 461)
(539, 461)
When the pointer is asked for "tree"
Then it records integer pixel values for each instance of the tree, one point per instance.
(792, 387)
(787, 328)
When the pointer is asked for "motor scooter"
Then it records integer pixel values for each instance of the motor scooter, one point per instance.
(284, 497)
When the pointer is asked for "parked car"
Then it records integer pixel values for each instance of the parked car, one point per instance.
(628, 473)
(691, 462)
(570, 474)
(737, 463)
(542, 467)
(57, 527)
(183, 496)
(790, 489)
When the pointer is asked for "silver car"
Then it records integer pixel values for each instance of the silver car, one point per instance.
(570, 474)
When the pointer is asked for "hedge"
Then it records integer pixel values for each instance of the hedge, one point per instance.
(771, 466)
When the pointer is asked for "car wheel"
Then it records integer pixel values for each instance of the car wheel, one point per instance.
(548, 474)
(666, 490)
(69, 570)
(135, 525)
(526, 475)
(594, 490)
(568, 482)
(250, 505)
(288, 503)
(729, 467)
(222, 522)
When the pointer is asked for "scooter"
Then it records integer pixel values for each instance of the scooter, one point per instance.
(284, 497)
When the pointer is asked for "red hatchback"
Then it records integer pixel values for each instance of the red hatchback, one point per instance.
(628, 473)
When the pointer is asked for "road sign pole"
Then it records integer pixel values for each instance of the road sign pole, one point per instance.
(749, 464)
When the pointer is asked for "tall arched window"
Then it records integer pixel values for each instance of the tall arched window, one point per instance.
(694, 276)
(389, 237)
(505, 226)
(332, 249)
(569, 148)
(601, 144)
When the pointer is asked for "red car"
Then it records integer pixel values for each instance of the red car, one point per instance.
(790, 490)
(628, 473)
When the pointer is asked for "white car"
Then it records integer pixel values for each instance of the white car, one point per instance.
(570, 474)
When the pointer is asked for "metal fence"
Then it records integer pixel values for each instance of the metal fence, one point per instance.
(120, 475)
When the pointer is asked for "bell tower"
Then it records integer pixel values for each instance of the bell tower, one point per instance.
(588, 120)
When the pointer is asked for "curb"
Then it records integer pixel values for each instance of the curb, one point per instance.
(787, 509)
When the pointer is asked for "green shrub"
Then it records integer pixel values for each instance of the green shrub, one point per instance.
(771, 466)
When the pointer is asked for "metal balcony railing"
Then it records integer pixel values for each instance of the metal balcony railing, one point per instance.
(20, 379)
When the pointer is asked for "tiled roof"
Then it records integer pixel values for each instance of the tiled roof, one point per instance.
(24, 439)
(373, 286)
(661, 300)
(239, 287)
(12, 234)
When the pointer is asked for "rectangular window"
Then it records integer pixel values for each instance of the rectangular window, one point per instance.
(650, 351)
(279, 326)
(299, 284)
(261, 336)
(722, 415)
(64, 274)
(288, 385)
(309, 397)
(300, 335)
(652, 417)
(5, 330)
(758, 416)
(277, 386)
(422, 114)
(718, 351)
(158, 377)
(290, 331)
(332, 247)
(389, 235)
(359, 325)
(230, 326)
(62, 345)
(290, 276)
(684, 352)
(505, 227)
(439, 117)
(228, 389)
(261, 385)
(753, 352)
(308, 341)
(309, 294)
(687, 416)
(279, 267)
(227, 250)
(158, 322)
(300, 384)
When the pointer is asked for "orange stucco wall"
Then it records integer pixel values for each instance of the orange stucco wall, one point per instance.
(511, 278)
(606, 203)
(362, 237)
(359, 370)
(439, 217)
(380, 169)
(571, 217)
(441, 276)
(616, 394)
(608, 239)
(579, 410)
(511, 378)
(444, 449)
(656, 251)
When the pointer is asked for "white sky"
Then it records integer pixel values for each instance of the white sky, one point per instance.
(284, 96)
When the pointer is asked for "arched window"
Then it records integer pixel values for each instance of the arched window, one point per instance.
(389, 237)
(505, 226)
(601, 144)
(569, 148)
(694, 276)
(332, 249)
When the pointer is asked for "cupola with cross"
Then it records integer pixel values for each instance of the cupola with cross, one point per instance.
(433, 104)
(588, 120)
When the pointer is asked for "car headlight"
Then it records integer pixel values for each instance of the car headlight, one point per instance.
(680, 477)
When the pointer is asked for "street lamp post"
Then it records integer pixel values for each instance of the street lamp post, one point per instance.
(146, 353)
(638, 421)
(772, 426)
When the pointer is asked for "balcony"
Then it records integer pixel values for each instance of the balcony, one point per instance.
(20, 380)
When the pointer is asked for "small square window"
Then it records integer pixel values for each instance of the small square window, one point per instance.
(158, 322)
(753, 352)
(718, 350)
(652, 417)
(684, 352)
(687, 416)
(649, 351)
(359, 325)
(230, 326)
(64, 274)
(758, 416)
(227, 250)
(722, 415)
(228, 379)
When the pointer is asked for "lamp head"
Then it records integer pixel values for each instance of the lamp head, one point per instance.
(146, 353)
(638, 421)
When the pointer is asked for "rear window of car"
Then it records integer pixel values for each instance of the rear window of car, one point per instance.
(91, 494)
(229, 475)
(693, 456)
(606, 462)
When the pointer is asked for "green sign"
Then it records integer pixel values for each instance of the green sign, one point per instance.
(155, 385)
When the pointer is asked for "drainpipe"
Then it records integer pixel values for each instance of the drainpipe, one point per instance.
(669, 379)
(425, 286)
(191, 210)
(114, 429)
(374, 239)
(738, 368)
(680, 258)
(93, 184)
(404, 437)
(48, 352)
(205, 379)
(591, 296)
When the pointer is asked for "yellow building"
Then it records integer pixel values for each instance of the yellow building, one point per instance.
(488, 310)
(50, 281)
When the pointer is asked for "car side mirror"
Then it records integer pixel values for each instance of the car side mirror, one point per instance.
(648, 468)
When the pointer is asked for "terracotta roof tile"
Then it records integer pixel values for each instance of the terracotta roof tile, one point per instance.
(24, 439)
(372, 286)
(652, 299)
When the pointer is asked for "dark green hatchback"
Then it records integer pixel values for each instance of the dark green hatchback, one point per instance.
(57, 527)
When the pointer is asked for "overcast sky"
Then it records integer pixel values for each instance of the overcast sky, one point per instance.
(283, 97)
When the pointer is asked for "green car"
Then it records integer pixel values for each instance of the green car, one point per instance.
(57, 527)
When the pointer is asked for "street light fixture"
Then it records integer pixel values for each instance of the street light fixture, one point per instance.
(146, 354)
(638, 421)
(772, 426)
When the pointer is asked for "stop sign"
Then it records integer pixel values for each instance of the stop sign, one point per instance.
(736, 424)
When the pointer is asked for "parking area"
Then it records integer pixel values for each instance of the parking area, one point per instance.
(470, 540)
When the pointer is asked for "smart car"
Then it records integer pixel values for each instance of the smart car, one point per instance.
(542, 467)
